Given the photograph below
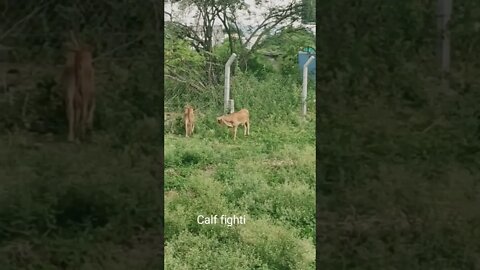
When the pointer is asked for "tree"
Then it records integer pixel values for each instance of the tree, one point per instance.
(274, 19)
(309, 8)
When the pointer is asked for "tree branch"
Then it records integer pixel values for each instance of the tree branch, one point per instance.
(275, 17)
(21, 21)
(182, 80)
(141, 36)
(188, 32)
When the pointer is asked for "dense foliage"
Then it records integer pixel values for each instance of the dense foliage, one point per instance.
(399, 155)
(95, 205)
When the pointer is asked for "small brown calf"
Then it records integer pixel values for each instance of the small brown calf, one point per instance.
(189, 119)
(235, 119)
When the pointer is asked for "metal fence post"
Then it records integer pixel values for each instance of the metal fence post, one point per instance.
(304, 85)
(226, 95)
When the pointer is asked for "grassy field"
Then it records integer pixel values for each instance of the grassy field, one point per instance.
(268, 176)
(68, 206)
(398, 187)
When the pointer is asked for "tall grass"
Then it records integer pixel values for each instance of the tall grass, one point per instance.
(268, 176)
(94, 205)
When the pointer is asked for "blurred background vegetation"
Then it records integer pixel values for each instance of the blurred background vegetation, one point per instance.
(95, 205)
(398, 156)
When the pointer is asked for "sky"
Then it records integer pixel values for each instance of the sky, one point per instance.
(245, 20)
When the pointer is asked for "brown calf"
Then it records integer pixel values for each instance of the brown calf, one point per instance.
(78, 83)
(235, 119)
(189, 119)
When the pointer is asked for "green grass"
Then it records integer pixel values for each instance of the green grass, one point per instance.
(394, 194)
(67, 206)
(268, 176)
